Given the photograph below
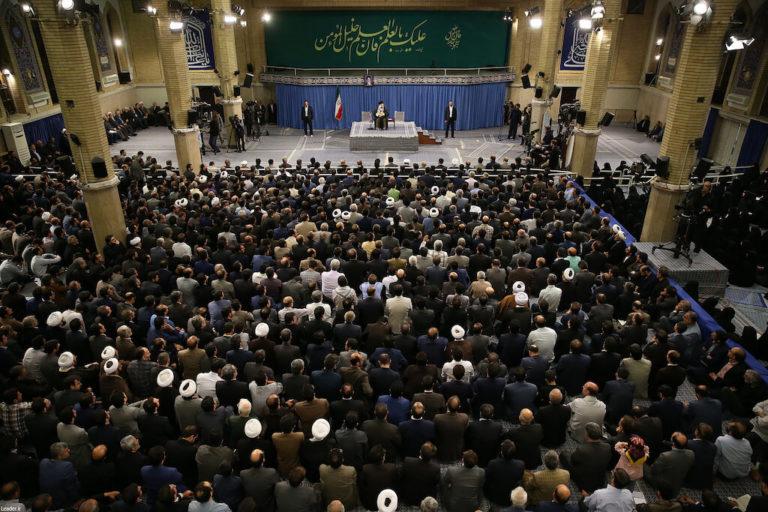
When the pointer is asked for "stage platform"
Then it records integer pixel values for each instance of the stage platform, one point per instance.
(711, 275)
(401, 137)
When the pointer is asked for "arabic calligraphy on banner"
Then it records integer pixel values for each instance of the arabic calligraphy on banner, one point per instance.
(575, 43)
(198, 40)
(357, 41)
(313, 39)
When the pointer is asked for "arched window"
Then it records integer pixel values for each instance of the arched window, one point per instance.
(740, 20)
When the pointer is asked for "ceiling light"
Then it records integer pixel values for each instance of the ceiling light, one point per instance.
(266, 17)
(535, 22)
(6, 72)
(243, 23)
(176, 26)
(230, 19)
(657, 57)
(118, 42)
(598, 11)
(67, 5)
(585, 23)
(660, 41)
(151, 10)
(701, 7)
(27, 10)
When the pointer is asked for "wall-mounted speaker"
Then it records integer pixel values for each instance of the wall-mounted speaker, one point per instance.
(526, 69)
(581, 117)
(539, 92)
(124, 77)
(248, 82)
(555, 92)
(662, 167)
(526, 81)
(249, 68)
(191, 117)
(236, 90)
(702, 168)
(607, 118)
(217, 91)
(99, 167)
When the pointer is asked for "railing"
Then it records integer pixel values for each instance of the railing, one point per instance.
(386, 71)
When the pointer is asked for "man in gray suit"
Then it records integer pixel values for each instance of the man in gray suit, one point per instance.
(76, 438)
(259, 482)
(295, 494)
(671, 467)
(462, 486)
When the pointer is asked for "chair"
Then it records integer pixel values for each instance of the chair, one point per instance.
(366, 117)
(399, 117)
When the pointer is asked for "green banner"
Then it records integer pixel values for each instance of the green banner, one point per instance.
(386, 39)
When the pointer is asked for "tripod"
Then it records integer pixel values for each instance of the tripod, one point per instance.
(682, 242)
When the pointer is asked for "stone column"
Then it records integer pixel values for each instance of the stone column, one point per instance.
(173, 57)
(226, 58)
(550, 36)
(70, 65)
(695, 77)
(257, 51)
(593, 88)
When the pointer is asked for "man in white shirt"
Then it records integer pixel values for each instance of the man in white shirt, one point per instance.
(206, 382)
(543, 337)
(317, 300)
(551, 293)
(330, 279)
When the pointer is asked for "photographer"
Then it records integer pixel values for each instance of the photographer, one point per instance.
(237, 126)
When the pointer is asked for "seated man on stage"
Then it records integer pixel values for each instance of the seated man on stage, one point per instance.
(380, 117)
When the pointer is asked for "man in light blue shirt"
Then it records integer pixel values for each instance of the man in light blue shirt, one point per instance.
(614, 498)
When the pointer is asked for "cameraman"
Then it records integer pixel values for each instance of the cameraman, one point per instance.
(700, 203)
(237, 125)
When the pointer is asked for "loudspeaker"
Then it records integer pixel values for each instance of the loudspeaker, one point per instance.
(236, 90)
(99, 167)
(662, 167)
(607, 118)
(124, 77)
(248, 82)
(65, 162)
(249, 68)
(526, 69)
(526, 81)
(649, 77)
(539, 92)
(191, 117)
(555, 92)
(581, 117)
(702, 168)
(217, 91)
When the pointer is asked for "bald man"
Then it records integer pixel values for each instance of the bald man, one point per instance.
(559, 501)
(99, 476)
(672, 466)
(259, 482)
(586, 409)
(335, 506)
(554, 420)
(416, 431)
(527, 436)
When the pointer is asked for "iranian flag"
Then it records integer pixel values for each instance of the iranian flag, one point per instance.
(339, 107)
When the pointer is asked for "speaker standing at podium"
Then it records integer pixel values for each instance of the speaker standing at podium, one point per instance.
(306, 117)
(450, 118)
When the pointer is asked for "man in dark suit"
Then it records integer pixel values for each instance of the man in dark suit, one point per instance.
(419, 476)
(704, 409)
(450, 118)
(230, 390)
(672, 466)
(484, 434)
(416, 431)
(306, 117)
(589, 462)
(527, 437)
(617, 396)
(157, 474)
(572, 368)
(432, 401)
(668, 410)
(382, 432)
(347, 403)
(180, 454)
(553, 419)
(671, 375)
(515, 114)
(559, 502)
(503, 474)
(259, 482)
(59, 478)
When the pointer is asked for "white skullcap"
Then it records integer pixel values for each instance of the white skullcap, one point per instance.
(521, 298)
(188, 388)
(111, 366)
(457, 332)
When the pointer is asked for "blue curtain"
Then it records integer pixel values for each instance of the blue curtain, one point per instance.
(45, 128)
(754, 143)
(709, 130)
(477, 106)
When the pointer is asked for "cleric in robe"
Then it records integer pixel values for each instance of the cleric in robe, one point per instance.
(380, 116)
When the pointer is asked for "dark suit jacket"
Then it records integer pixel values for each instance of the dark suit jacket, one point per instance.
(340, 408)
(259, 484)
(618, 396)
(528, 439)
(484, 436)
(700, 474)
(433, 402)
(374, 478)
(588, 465)
(449, 431)
(501, 476)
(670, 412)
(418, 479)
(672, 376)
(59, 479)
(706, 410)
(554, 423)
(572, 372)
(414, 433)
(447, 114)
(385, 434)
(229, 393)
(154, 477)
(309, 115)
(181, 455)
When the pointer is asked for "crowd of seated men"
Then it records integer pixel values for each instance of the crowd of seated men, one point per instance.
(289, 341)
(124, 123)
